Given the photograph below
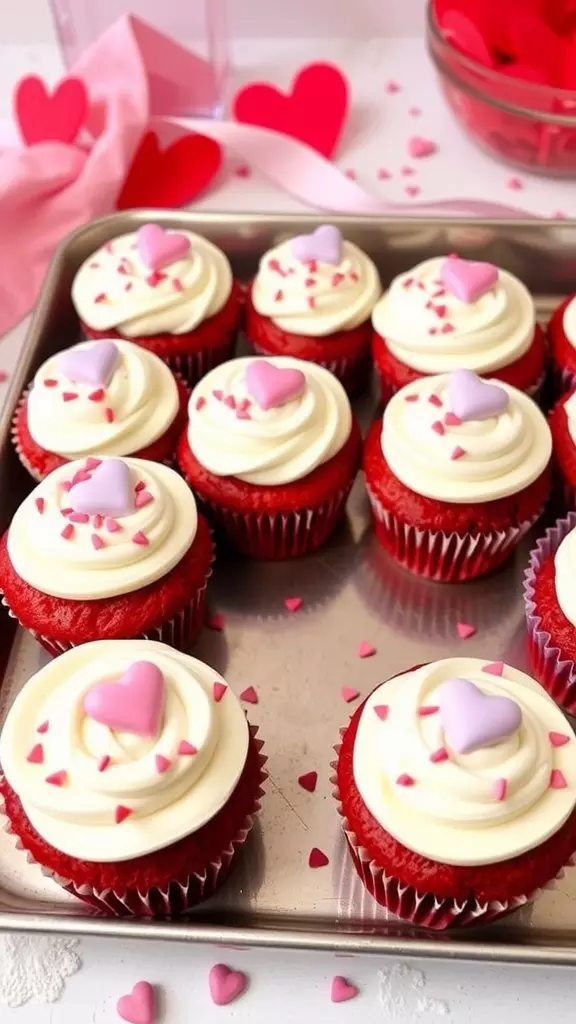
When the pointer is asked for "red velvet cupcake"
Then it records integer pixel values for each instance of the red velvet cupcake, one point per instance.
(272, 451)
(107, 549)
(457, 472)
(131, 776)
(456, 782)
(562, 341)
(562, 422)
(450, 314)
(312, 299)
(172, 292)
(99, 398)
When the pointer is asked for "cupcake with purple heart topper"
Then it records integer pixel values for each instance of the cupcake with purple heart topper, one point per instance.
(106, 549)
(456, 783)
(171, 292)
(312, 298)
(99, 398)
(448, 314)
(457, 472)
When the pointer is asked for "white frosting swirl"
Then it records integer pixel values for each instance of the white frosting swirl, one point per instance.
(570, 410)
(565, 573)
(115, 289)
(274, 446)
(141, 395)
(319, 302)
(451, 812)
(484, 335)
(78, 817)
(73, 567)
(501, 455)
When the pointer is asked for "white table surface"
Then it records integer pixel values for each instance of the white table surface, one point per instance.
(295, 987)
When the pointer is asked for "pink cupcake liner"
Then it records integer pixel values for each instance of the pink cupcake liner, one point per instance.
(443, 556)
(555, 673)
(353, 374)
(424, 909)
(196, 365)
(178, 895)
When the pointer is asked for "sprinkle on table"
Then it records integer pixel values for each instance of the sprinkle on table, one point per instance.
(349, 694)
(365, 649)
(249, 695)
(308, 781)
(293, 604)
(215, 621)
(317, 858)
(465, 630)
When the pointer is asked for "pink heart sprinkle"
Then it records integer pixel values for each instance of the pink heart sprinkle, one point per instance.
(112, 526)
(273, 386)
(383, 174)
(57, 778)
(349, 694)
(419, 147)
(293, 604)
(365, 649)
(392, 88)
(226, 985)
(215, 621)
(36, 755)
(451, 420)
(435, 400)
(412, 191)
(121, 813)
(499, 789)
(495, 668)
(43, 727)
(317, 858)
(457, 453)
(557, 779)
(134, 704)
(163, 764)
(342, 990)
(104, 762)
(464, 630)
(440, 755)
(428, 709)
(141, 539)
(143, 498)
(249, 695)
(159, 248)
(186, 749)
(97, 542)
(218, 691)
(139, 1006)
(515, 184)
(405, 780)
(381, 711)
(558, 739)
(308, 781)
(40, 504)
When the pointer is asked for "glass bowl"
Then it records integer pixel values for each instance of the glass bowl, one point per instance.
(529, 126)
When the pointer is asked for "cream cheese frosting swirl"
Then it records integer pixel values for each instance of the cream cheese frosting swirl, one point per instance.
(569, 322)
(115, 288)
(564, 573)
(81, 404)
(440, 456)
(102, 527)
(431, 330)
(513, 788)
(114, 792)
(317, 296)
(232, 435)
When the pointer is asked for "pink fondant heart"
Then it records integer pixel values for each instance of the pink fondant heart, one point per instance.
(342, 990)
(271, 386)
(468, 280)
(107, 492)
(472, 398)
(226, 985)
(324, 244)
(94, 365)
(472, 719)
(138, 1007)
(159, 248)
(134, 704)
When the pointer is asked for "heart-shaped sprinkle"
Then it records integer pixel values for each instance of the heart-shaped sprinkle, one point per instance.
(93, 365)
(495, 668)
(475, 399)
(557, 779)
(381, 711)
(324, 244)
(121, 813)
(163, 764)
(249, 695)
(186, 749)
(58, 779)
(428, 709)
(36, 755)
(405, 780)
(108, 492)
(419, 147)
(134, 704)
(308, 781)
(365, 649)
(159, 248)
(139, 1006)
(43, 727)
(218, 691)
(215, 621)
(342, 990)
(272, 386)
(226, 985)
(439, 756)
(104, 763)
(473, 720)
(468, 280)
(558, 739)
(465, 630)
(349, 694)
(317, 858)
(293, 604)
(499, 789)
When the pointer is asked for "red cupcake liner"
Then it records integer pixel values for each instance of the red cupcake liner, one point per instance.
(180, 894)
(441, 555)
(196, 365)
(353, 373)
(554, 672)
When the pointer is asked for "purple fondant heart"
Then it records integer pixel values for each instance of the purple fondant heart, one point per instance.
(472, 719)
(159, 248)
(468, 280)
(108, 492)
(472, 398)
(271, 386)
(93, 365)
(324, 244)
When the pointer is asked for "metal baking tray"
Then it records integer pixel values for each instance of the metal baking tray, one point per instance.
(299, 662)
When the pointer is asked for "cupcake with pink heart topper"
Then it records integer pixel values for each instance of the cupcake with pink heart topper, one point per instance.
(312, 298)
(131, 776)
(449, 314)
(99, 398)
(457, 471)
(271, 450)
(106, 549)
(171, 292)
(456, 783)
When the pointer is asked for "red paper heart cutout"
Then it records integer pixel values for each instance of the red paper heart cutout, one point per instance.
(50, 117)
(314, 111)
(172, 177)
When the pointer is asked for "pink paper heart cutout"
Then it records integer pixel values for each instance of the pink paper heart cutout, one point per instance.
(94, 365)
(159, 248)
(472, 398)
(418, 147)
(133, 704)
(271, 386)
(139, 1006)
(323, 244)
(226, 985)
(342, 990)
(473, 720)
(466, 279)
(108, 492)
